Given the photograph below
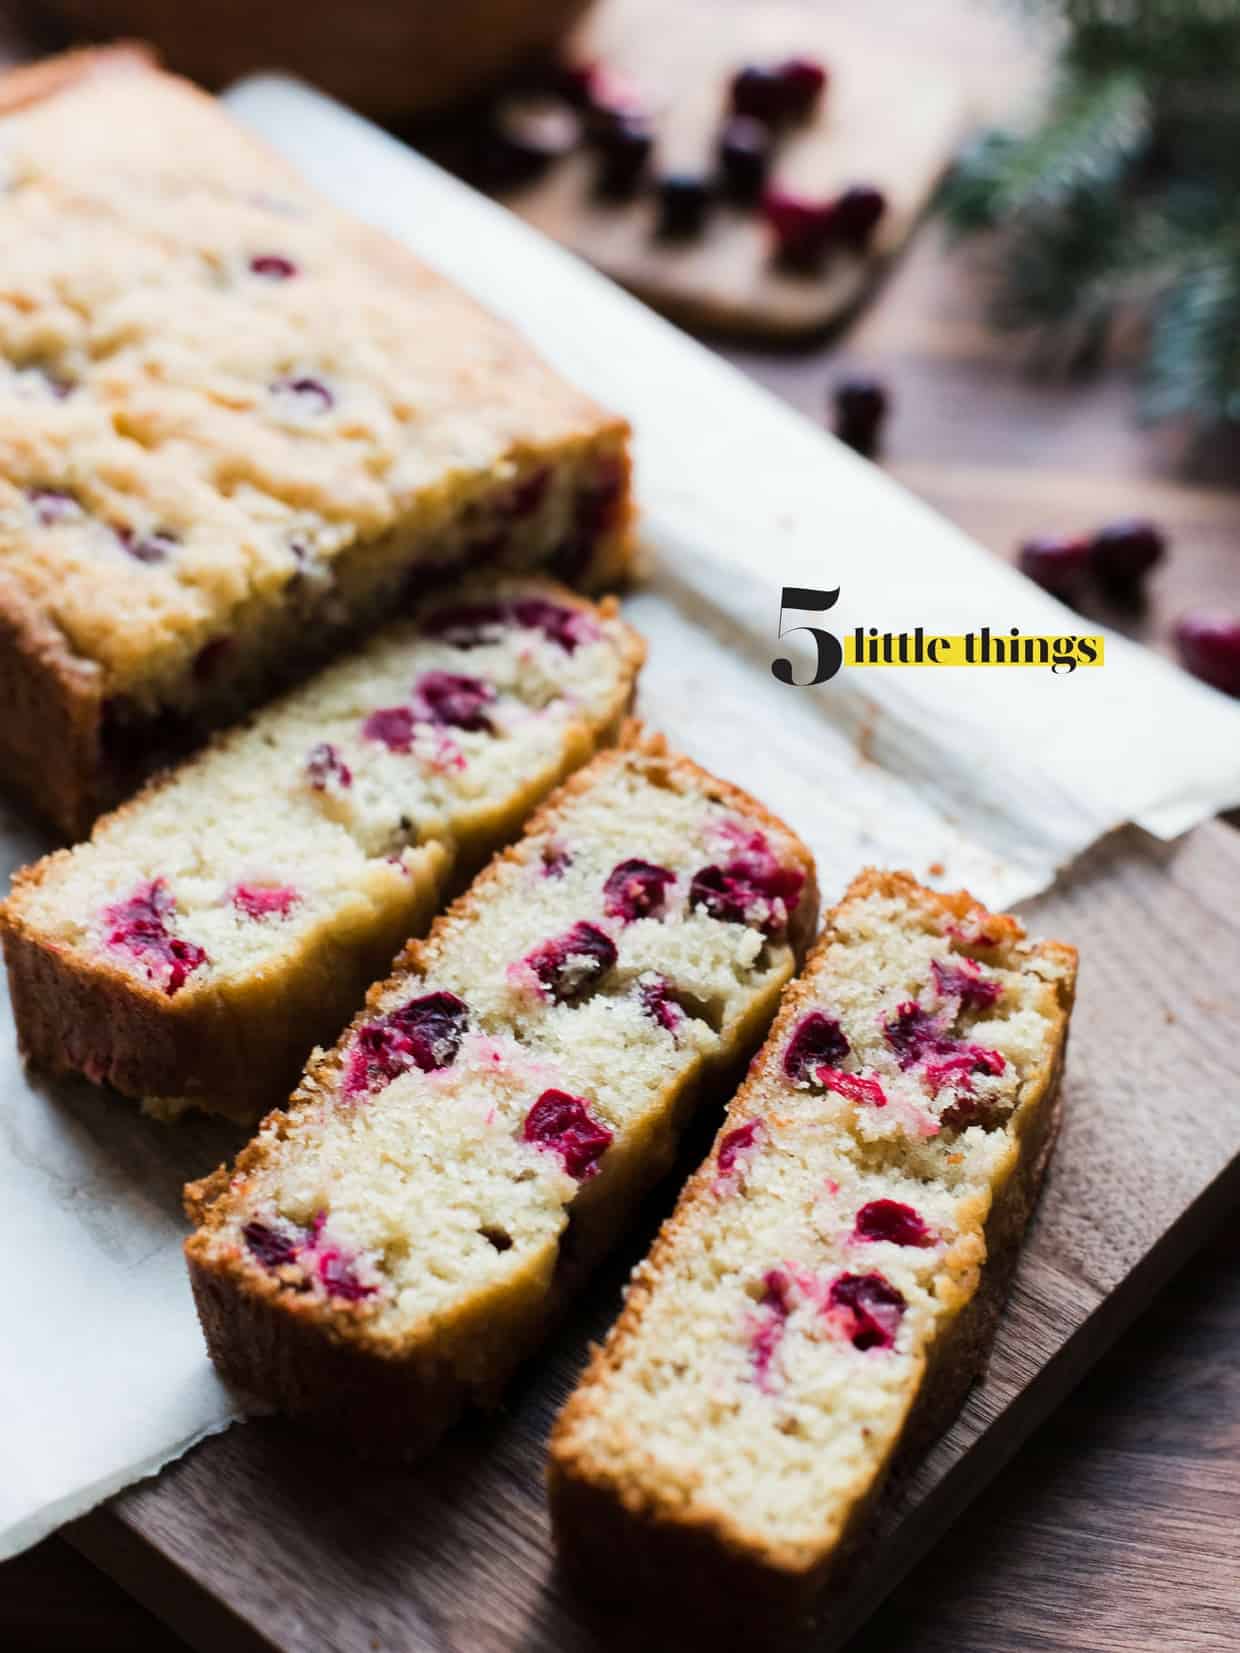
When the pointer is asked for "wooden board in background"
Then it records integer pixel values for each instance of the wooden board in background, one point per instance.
(681, 58)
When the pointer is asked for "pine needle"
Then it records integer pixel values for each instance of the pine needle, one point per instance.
(1127, 190)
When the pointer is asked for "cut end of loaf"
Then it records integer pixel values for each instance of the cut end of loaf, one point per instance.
(262, 885)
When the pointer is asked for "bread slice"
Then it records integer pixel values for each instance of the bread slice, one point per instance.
(236, 427)
(229, 918)
(825, 1290)
(392, 1246)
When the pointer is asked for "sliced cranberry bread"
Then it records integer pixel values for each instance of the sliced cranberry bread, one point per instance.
(235, 426)
(392, 1246)
(825, 1290)
(232, 915)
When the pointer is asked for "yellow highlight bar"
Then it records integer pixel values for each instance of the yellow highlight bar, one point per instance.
(866, 646)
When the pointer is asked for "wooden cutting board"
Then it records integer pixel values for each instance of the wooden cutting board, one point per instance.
(263, 1537)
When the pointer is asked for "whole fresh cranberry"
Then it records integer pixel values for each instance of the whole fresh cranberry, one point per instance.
(804, 79)
(1056, 562)
(860, 409)
(1209, 646)
(744, 159)
(778, 94)
(684, 201)
(624, 147)
(858, 211)
(805, 231)
(1123, 552)
(759, 91)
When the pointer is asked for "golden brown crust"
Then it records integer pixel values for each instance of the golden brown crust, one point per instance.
(49, 726)
(304, 1357)
(227, 1054)
(615, 1536)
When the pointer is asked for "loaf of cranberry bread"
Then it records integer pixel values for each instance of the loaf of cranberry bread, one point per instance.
(235, 427)
(219, 925)
(826, 1288)
(389, 1249)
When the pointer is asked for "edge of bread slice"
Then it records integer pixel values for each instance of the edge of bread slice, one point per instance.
(390, 1248)
(828, 1285)
(219, 925)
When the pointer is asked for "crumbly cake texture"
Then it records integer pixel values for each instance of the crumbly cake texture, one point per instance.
(218, 926)
(235, 427)
(389, 1249)
(826, 1288)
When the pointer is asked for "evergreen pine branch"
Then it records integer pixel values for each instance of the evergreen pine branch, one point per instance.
(1160, 40)
(1168, 41)
(1094, 133)
(1064, 269)
(1127, 190)
(1193, 362)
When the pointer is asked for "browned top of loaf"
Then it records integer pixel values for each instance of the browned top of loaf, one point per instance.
(163, 272)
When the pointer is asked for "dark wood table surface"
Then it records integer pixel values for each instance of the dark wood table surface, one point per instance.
(1117, 1528)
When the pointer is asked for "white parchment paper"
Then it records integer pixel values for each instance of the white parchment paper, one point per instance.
(996, 778)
